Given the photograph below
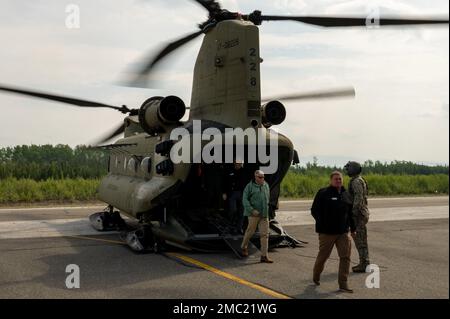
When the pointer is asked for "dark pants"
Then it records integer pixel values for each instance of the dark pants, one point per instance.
(235, 208)
(344, 247)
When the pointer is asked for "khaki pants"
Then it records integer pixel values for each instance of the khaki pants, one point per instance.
(263, 227)
(344, 246)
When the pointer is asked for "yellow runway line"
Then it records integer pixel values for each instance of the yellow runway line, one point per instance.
(234, 278)
(198, 263)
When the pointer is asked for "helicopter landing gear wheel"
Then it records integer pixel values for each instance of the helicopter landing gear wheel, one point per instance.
(107, 220)
(142, 239)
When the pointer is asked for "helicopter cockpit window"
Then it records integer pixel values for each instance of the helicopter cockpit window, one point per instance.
(125, 161)
(132, 165)
(109, 163)
(146, 165)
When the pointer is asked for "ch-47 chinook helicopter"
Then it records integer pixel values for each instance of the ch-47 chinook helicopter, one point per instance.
(176, 203)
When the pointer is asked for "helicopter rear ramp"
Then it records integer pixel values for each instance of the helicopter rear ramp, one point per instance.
(234, 242)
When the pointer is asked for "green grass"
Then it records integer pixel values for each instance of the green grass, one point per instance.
(297, 185)
(294, 185)
(14, 190)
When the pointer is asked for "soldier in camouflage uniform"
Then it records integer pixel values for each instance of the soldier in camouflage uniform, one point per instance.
(359, 191)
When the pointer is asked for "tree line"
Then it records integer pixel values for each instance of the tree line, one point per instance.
(376, 168)
(42, 162)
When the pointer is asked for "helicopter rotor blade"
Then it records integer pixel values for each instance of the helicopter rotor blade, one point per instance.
(344, 92)
(210, 5)
(140, 74)
(113, 133)
(355, 21)
(62, 99)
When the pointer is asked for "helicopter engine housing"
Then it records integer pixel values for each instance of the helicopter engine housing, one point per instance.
(159, 113)
(273, 113)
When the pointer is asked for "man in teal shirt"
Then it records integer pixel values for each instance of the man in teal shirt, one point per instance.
(255, 201)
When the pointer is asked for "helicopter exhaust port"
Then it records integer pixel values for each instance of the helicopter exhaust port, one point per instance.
(157, 114)
(273, 113)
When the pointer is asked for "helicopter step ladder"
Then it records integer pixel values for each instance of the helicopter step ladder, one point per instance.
(231, 236)
(234, 242)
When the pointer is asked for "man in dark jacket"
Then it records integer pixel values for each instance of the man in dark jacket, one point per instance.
(235, 182)
(332, 210)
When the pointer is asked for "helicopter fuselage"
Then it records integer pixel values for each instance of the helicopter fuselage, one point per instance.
(225, 90)
(174, 198)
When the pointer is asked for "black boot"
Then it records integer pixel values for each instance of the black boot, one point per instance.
(361, 267)
(343, 287)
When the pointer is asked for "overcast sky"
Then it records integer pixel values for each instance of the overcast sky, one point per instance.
(401, 111)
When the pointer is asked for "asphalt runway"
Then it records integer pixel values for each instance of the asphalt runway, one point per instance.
(408, 242)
